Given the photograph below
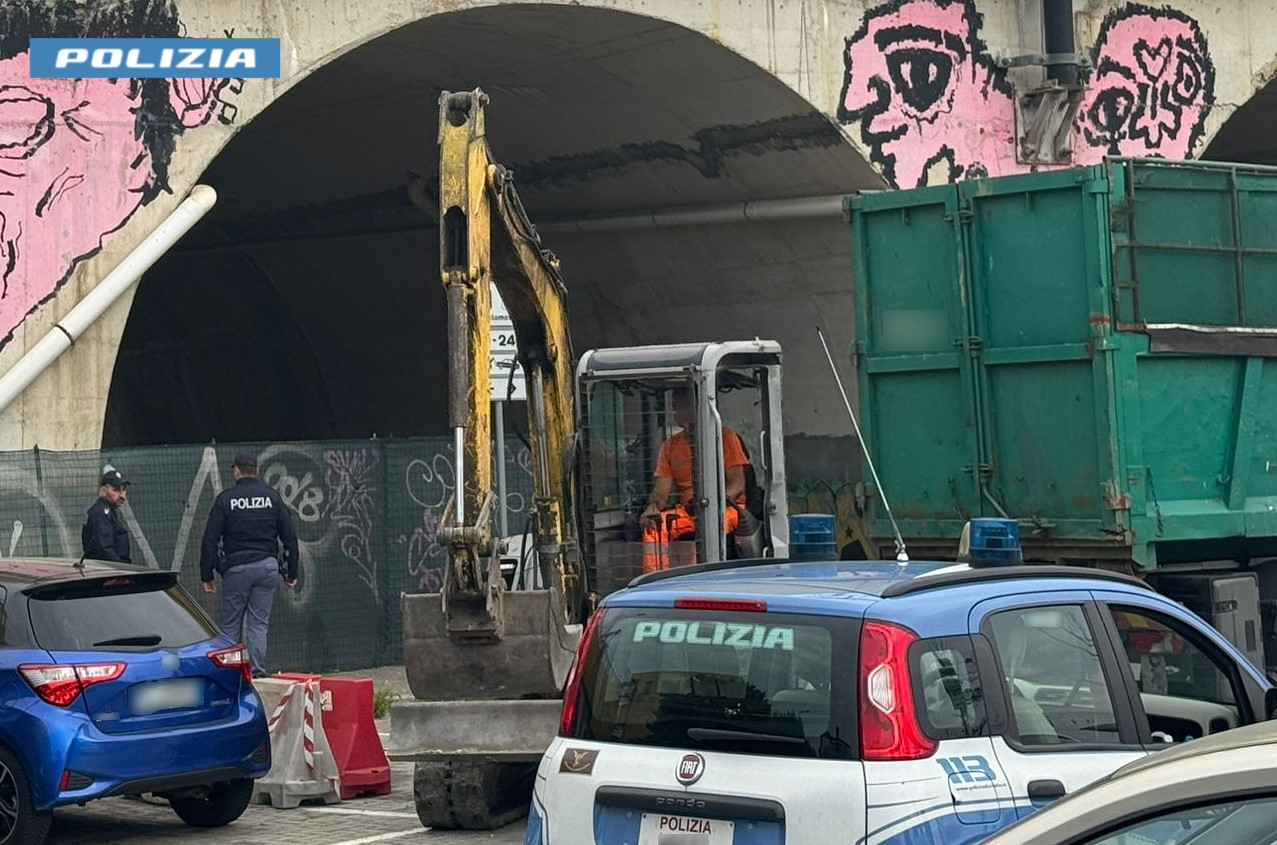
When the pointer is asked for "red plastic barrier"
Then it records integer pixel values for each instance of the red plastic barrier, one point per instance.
(347, 707)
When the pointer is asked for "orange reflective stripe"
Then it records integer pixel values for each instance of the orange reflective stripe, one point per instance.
(731, 519)
(670, 526)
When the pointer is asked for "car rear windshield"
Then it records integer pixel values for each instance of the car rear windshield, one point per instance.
(753, 683)
(117, 614)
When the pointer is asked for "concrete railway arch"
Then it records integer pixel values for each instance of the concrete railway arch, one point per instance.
(306, 305)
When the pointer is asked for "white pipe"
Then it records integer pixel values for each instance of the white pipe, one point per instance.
(103, 296)
(798, 208)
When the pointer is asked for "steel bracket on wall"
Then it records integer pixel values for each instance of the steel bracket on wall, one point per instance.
(1082, 61)
(1044, 123)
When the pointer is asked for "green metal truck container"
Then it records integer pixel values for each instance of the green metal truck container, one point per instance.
(1083, 350)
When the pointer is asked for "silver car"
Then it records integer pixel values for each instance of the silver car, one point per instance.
(1221, 790)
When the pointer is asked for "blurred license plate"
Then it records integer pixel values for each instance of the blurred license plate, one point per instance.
(146, 699)
(658, 829)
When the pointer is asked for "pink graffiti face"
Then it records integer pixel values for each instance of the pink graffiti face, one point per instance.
(922, 96)
(73, 169)
(1151, 89)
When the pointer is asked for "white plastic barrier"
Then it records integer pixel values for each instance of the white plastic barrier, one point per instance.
(302, 765)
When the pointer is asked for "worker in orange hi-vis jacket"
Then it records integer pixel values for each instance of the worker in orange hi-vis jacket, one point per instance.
(674, 470)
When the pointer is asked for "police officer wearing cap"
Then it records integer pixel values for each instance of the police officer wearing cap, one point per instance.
(104, 536)
(249, 523)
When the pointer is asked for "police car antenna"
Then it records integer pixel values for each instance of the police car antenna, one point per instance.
(902, 556)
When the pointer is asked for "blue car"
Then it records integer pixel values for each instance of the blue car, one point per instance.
(765, 702)
(113, 681)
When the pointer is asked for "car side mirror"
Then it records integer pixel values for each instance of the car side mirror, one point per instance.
(1270, 703)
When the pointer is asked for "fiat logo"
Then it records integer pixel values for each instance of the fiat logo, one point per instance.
(690, 769)
(171, 662)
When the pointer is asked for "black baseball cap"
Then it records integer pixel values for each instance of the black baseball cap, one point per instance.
(114, 479)
(245, 461)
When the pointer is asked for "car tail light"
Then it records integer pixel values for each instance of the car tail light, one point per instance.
(889, 727)
(572, 690)
(745, 605)
(73, 781)
(235, 657)
(61, 684)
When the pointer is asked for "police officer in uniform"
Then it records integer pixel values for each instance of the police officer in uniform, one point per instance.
(104, 536)
(242, 542)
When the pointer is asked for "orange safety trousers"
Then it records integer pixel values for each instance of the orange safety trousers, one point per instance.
(671, 525)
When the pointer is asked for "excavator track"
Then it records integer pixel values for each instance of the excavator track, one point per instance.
(467, 795)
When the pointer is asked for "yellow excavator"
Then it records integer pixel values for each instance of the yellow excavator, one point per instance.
(487, 657)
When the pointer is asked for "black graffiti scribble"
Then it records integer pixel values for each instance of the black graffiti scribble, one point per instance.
(912, 68)
(928, 96)
(921, 75)
(1152, 86)
(352, 510)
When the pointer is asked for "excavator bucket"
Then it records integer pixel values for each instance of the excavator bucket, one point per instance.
(530, 659)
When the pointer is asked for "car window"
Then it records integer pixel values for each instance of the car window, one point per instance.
(1225, 822)
(119, 614)
(1053, 675)
(950, 703)
(757, 683)
(15, 627)
(1184, 687)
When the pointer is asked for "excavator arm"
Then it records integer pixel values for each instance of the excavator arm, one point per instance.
(487, 664)
(486, 240)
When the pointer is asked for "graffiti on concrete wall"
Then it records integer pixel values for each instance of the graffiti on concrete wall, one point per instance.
(78, 157)
(917, 72)
(933, 106)
(1152, 86)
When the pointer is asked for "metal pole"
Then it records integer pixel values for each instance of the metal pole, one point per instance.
(499, 417)
(798, 208)
(1057, 36)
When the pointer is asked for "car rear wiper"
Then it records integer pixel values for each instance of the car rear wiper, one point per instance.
(140, 639)
(712, 734)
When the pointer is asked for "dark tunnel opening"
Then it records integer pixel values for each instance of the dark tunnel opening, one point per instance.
(1246, 137)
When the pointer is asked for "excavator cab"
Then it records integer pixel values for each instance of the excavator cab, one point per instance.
(705, 400)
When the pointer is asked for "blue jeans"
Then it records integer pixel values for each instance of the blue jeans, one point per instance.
(248, 592)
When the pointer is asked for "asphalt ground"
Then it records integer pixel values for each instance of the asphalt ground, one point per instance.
(362, 821)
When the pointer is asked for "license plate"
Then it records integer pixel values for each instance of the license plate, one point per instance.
(659, 829)
(146, 699)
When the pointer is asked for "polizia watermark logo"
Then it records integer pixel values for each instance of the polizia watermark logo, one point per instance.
(154, 58)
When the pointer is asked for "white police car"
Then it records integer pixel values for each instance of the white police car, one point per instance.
(760, 703)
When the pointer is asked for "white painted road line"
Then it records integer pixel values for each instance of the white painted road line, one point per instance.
(344, 811)
(381, 837)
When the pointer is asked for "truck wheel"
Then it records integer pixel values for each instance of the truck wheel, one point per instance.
(472, 796)
(225, 803)
(20, 822)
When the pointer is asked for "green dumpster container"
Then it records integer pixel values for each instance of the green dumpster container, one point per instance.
(1083, 350)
